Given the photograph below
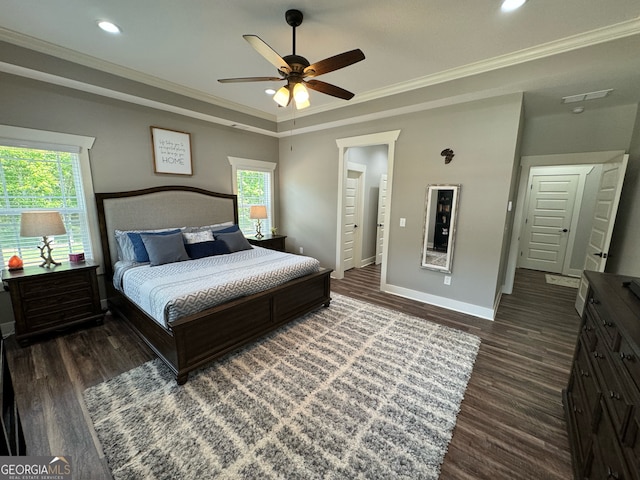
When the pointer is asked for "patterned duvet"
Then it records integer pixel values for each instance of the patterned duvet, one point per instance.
(174, 290)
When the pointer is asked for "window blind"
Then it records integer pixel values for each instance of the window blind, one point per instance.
(34, 178)
(254, 188)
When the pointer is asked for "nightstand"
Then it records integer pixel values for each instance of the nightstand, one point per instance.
(48, 299)
(273, 242)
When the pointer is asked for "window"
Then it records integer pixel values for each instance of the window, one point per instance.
(43, 176)
(253, 182)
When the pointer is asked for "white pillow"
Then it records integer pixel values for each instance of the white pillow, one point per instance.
(197, 237)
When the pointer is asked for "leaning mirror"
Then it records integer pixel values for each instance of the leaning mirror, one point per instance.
(441, 209)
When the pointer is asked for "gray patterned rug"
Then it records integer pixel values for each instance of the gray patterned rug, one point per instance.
(353, 390)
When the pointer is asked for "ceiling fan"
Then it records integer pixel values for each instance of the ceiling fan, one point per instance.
(296, 69)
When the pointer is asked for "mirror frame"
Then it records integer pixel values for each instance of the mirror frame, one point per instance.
(431, 204)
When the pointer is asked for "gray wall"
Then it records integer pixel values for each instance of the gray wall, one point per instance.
(484, 136)
(596, 130)
(625, 244)
(121, 158)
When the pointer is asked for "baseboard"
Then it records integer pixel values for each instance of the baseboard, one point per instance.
(367, 261)
(449, 304)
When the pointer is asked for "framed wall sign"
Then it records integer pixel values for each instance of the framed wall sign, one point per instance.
(171, 151)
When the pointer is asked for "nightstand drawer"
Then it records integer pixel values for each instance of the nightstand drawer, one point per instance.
(58, 286)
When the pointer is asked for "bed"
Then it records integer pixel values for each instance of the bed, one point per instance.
(194, 339)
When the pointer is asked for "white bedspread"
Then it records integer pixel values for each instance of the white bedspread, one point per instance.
(169, 292)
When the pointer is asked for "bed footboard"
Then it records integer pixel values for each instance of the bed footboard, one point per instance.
(198, 339)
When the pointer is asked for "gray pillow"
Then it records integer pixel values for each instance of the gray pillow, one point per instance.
(235, 241)
(164, 248)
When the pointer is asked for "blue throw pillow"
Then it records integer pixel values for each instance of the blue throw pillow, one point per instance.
(138, 245)
(231, 229)
(206, 249)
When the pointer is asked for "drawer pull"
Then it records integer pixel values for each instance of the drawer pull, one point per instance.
(598, 355)
(612, 473)
(626, 356)
(577, 410)
(613, 394)
(583, 373)
(593, 301)
(607, 323)
(587, 328)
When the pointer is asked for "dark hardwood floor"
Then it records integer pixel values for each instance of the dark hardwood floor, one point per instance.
(511, 423)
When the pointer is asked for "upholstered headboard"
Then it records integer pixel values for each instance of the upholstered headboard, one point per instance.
(158, 207)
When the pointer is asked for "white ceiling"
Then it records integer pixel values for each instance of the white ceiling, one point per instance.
(574, 46)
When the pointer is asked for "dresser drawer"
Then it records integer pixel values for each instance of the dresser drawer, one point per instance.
(607, 459)
(606, 325)
(588, 380)
(579, 414)
(589, 332)
(66, 311)
(615, 396)
(631, 442)
(629, 362)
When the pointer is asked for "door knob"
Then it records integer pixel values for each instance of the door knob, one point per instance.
(601, 255)
(564, 230)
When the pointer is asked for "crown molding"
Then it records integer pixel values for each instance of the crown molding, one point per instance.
(89, 61)
(556, 47)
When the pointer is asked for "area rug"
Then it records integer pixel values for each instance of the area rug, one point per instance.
(563, 281)
(349, 391)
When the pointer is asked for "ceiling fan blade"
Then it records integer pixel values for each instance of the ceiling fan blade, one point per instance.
(250, 79)
(268, 53)
(327, 88)
(334, 63)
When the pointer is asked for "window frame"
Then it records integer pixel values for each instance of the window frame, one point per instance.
(47, 140)
(257, 166)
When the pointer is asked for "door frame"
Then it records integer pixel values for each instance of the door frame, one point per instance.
(383, 138)
(586, 158)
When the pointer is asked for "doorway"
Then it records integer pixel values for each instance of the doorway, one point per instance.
(596, 160)
(552, 218)
(386, 139)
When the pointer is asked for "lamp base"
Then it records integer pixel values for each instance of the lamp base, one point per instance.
(48, 260)
(259, 234)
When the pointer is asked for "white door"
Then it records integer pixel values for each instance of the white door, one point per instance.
(350, 228)
(604, 217)
(382, 202)
(549, 216)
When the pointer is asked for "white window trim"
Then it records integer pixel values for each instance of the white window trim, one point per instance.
(62, 141)
(258, 165)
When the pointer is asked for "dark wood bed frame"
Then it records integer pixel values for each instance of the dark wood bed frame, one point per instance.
(197, 339)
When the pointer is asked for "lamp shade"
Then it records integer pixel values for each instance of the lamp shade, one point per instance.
(258, 212)
(41, 224)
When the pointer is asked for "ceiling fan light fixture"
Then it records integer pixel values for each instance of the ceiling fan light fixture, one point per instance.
(282, 96)
(303, 104)
(300, 94)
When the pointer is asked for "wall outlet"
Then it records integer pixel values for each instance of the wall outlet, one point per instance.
(447, 279)
(403, 222)
(301, 250)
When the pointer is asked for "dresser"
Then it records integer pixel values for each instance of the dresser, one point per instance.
(602, 398)
(48, 299)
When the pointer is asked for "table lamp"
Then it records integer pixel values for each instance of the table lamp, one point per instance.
(258, 212)
(42, 224)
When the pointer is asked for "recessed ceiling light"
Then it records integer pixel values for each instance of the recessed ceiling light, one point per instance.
(109, 27)
(510, 5)
(269, 91)
(578, 110)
